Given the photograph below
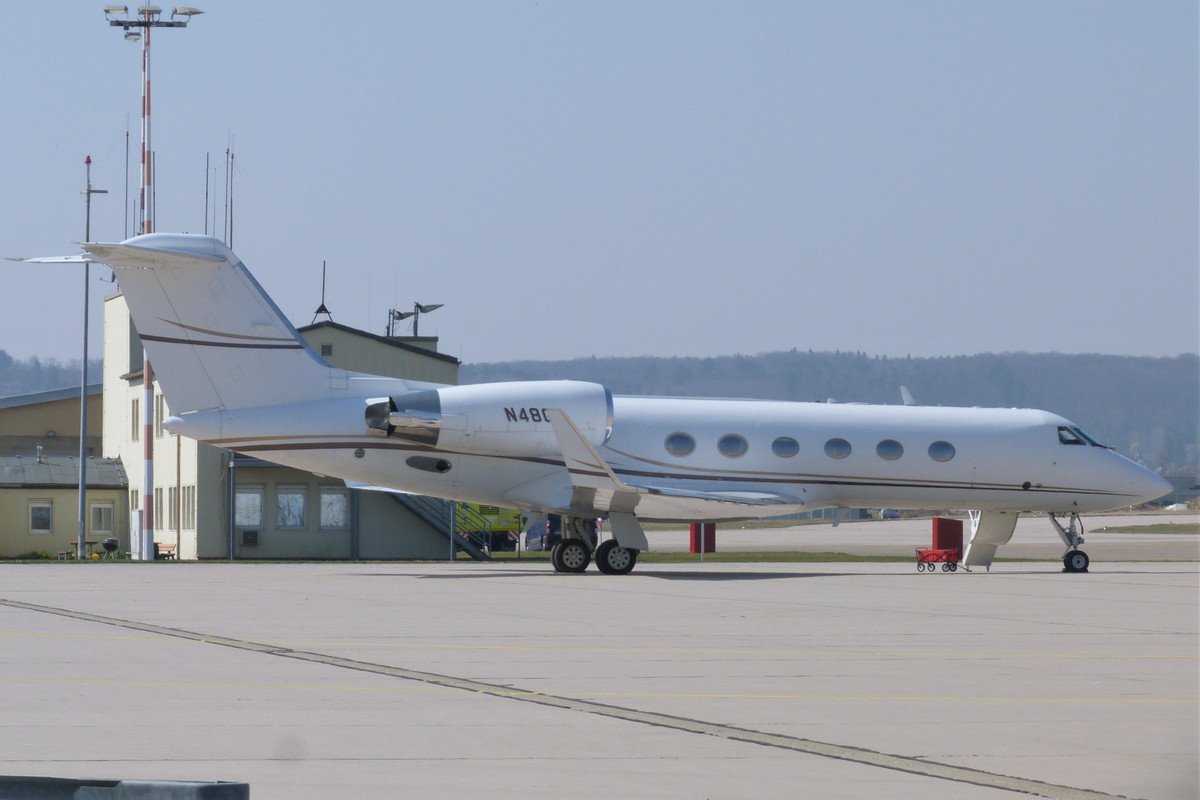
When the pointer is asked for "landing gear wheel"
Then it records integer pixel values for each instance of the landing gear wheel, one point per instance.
(1075, 561)
(612, 559)
(571, 555)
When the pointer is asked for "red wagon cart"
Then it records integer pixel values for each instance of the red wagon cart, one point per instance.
(929, 559)
(946, 548)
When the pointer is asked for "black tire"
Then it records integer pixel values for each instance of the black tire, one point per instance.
(1076, 561)
(555, 560)
(573, 555)
(612, 559)
(920, 566)
(954, 567)
(945, 567)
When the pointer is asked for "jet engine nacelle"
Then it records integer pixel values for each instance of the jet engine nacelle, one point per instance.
(494, 418)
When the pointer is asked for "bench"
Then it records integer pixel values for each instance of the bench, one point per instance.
(163, 551)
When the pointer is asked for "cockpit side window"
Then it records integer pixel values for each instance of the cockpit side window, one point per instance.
(1069, 436)
(1087, 438)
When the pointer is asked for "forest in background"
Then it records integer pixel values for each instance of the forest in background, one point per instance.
(23, 376)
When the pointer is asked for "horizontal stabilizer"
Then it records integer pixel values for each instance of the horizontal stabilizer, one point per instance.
(131, 256)
(80, 259)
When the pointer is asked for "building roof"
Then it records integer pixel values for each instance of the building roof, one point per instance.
(399, 343)
(33, 398)
(52, 472)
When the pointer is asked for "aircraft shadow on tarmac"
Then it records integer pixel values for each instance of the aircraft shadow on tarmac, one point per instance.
(706, 576)
(648, 573)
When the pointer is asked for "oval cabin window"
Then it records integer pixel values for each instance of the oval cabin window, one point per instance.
(941, 451)
(680, 444)
(732, 446)
(785, 447)
(837, 448)
(889, 450)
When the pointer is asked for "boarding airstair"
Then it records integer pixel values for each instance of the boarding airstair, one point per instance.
(446, 516)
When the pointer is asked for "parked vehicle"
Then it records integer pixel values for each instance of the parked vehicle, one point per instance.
(490, 526)
(543, 531)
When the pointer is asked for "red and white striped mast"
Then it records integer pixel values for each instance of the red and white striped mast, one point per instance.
(148, 17)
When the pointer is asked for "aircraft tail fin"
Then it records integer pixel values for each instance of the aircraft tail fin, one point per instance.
(214, 338)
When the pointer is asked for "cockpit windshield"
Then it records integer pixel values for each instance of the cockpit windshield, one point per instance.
(1076, 435)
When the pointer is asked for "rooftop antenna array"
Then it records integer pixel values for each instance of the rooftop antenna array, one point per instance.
(395, 316)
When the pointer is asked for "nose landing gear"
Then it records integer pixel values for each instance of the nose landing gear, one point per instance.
(1074, 560)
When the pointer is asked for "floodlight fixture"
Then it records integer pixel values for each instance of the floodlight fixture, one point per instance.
(425, 309)
(133, 36)
(185, 11)
(152, 11)
(110, 10)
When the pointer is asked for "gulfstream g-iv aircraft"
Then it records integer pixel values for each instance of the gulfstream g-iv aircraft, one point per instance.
(238, 375)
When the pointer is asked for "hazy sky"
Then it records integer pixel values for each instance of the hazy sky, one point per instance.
(663, 178)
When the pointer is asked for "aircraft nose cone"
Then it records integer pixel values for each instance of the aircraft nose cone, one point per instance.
(1149, 486)
(1155, 487)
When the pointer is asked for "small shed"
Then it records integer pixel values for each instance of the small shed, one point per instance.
(39, 504)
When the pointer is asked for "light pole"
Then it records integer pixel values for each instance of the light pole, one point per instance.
(147, 18)
(83, 382)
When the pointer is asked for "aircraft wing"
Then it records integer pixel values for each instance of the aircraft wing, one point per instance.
(597, 486)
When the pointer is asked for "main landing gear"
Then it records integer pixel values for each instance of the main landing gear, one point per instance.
(1074, 560)
(572, 553)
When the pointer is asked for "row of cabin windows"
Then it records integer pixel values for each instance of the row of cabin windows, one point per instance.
(733, 445)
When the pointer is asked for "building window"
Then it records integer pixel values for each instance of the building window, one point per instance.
(326, 349)
(941, 451)
(837, 448)
(289, 501)
(732, 446)
(158, 509)
(680, 444)
(160, 411)
(133, 500)
(189, 508)
(102, 519)
(889, 450)
(248, 506)
(41, 514)
(135, 420)
(172, 508)
(785, 447)
(335, 509)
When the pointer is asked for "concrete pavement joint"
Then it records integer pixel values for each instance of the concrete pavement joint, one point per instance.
(907, 764)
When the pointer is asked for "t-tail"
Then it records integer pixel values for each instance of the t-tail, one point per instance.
(213, 336)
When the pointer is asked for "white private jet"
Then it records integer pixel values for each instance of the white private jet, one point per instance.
(238, 376)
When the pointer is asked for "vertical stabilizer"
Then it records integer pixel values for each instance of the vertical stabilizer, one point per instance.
(215, 338)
